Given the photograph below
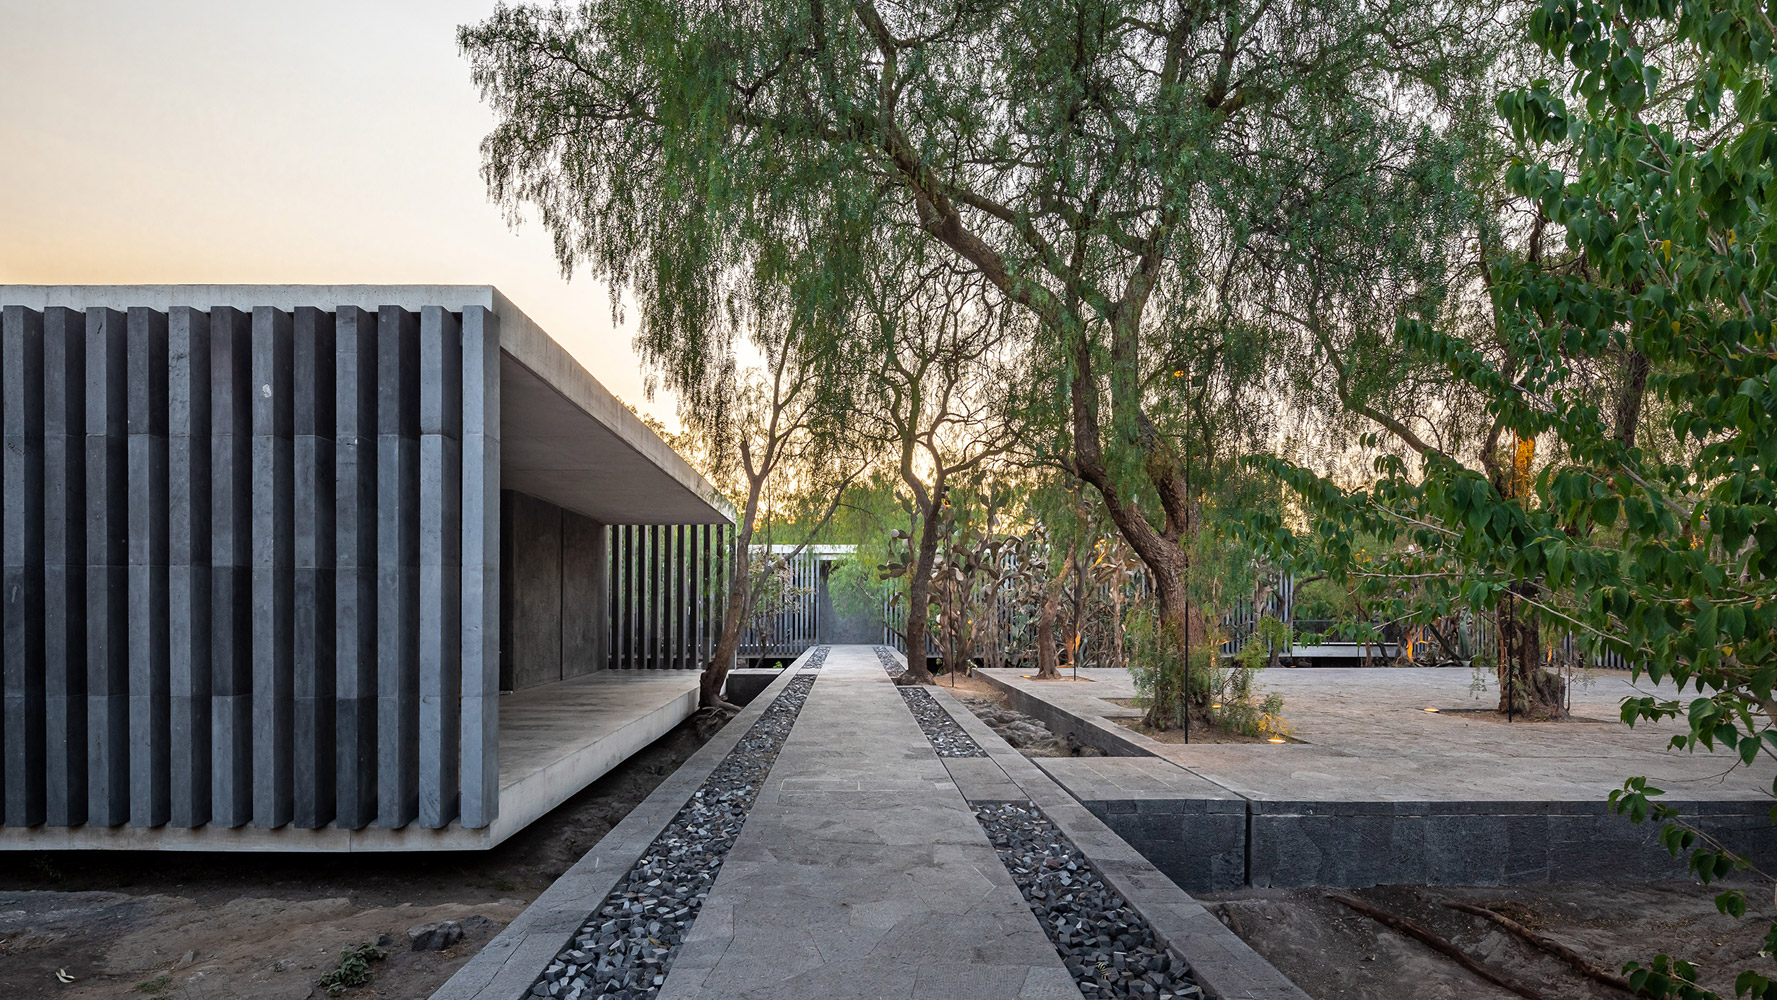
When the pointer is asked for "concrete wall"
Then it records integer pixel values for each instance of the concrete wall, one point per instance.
(554, 612)
(248, 566)
(664, 595)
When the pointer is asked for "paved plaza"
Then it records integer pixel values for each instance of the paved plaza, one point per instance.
(1366, 736)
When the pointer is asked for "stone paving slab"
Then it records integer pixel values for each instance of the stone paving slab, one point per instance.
(862, 872)
(1367, 738)
(1221, 962)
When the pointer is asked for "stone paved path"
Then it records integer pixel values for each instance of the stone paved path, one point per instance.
(862, 872)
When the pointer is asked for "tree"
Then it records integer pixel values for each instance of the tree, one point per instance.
(787, 418)
(1658, 179)
(1094, 162)
(940, 345)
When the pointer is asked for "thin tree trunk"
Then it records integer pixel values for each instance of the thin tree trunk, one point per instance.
(920, 593)
(1046, 619)
(729, 640)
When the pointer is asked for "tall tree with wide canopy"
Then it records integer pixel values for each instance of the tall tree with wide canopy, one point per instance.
(1096, 162)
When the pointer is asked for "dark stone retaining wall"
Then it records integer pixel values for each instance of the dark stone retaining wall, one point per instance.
(1210, 845)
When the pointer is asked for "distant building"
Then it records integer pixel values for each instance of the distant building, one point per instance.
(327, 568)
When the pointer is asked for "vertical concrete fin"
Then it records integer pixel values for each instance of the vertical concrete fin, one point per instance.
(355, 552)
(64, 545)
(21, 617)
(273, 587)
(398, 543)
(107, 585)
(312, 450)
(149, 611)
(441, 570)
(231, 562)
(188, 546)
(481, 603)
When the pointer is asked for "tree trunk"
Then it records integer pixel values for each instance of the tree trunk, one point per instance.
(1046, 620)
(1527, 687)
(1172, 682)
(729, 640)
(920, 593)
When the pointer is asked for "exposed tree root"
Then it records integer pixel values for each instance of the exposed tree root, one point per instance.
(1436, 943)
(1580, 962)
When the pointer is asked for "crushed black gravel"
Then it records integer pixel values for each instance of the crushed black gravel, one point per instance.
(942, 731)
(626, 946)
(816, 658)
(890, 663)
(1107, 946)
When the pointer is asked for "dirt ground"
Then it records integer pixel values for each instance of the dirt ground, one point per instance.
(221, 926)
(1336, 953)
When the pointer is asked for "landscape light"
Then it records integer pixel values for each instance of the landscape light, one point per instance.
(1430, 709)
(1276, 739)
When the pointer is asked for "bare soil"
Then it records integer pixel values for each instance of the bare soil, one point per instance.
(1204, 730)
(220, 926)
(1031, 737)
(1336, 953)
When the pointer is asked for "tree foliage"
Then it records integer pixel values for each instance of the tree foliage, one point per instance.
(1652, 154)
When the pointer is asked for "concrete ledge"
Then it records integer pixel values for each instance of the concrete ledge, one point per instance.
(1110, 737)
(506, 967)
(1223, 964)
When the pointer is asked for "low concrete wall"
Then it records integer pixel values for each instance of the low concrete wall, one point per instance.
(1109, 737)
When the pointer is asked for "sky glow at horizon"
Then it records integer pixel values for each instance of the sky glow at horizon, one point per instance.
(200, 141)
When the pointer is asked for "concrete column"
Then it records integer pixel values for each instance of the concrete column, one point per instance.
(599, 602)
(582, 611)
(480, 721)
(188, 574)
(441, 571)
(657, 605)
(627, 597)
(231, 562)
(64, 569)
(274, 553)
(21, 566)
(398, 545)
(355, 552)
(150, 608)
(312, 450)
(107, 582)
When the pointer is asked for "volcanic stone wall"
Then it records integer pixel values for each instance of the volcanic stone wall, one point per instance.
(251, 566)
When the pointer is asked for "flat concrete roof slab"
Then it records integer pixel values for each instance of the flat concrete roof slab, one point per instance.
(564, 437)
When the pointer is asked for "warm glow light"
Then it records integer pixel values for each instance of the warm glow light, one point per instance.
(1179, 373)
(1215, 706)
(1430, 709)
(1276, 739)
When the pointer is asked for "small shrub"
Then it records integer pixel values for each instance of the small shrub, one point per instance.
(156, 987)
(354, 969)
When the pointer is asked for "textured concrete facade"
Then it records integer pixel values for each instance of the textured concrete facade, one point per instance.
(252, 548)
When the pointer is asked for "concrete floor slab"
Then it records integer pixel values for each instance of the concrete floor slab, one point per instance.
(554, 741)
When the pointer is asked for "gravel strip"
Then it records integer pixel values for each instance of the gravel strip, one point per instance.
(1108, 947)
(890, 663)
(817, 658)
(941, 730)
(626, 946)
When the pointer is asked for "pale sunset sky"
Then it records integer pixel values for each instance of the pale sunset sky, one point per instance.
(320, 141)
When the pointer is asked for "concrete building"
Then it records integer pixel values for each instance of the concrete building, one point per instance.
(327, 568)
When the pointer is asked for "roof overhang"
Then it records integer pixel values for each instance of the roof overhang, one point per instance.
(563, 437)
